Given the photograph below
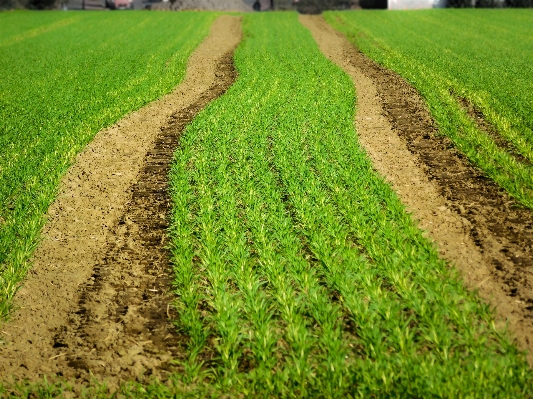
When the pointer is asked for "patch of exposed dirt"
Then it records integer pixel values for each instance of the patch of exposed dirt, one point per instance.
(475, 224)
(97, 300)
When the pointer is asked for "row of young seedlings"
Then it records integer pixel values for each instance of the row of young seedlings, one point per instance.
(298, 271)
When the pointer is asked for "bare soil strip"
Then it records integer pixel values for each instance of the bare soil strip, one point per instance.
(97, 300)
(475, 225)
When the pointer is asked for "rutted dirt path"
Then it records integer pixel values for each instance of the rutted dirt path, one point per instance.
(475, 225)
(96, 301)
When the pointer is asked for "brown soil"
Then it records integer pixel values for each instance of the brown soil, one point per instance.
(96, 301)
(475, 225)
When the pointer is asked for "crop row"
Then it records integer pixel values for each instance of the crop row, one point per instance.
(65, 76)
(478, 58)
(298, 270)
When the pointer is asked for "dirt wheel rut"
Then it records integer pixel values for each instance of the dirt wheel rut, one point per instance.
(125, 315)
(475, 224)
(117, 324)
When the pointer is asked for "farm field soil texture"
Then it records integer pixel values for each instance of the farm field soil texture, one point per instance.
(297, 270)
(500, 227)
(65, 76)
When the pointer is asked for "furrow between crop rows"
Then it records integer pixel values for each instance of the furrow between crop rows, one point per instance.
(128, 298)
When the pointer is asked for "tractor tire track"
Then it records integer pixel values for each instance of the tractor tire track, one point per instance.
(475, 225)
(97, 303)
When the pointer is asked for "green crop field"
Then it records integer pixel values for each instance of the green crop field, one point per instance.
(64, 77)
(298, 271)
(483, 56)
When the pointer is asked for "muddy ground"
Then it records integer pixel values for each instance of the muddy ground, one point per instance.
(96, 301)
(475, 224)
